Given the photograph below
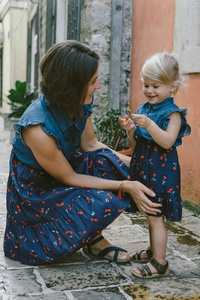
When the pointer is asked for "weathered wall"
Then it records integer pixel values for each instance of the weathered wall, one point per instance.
(96, 32)
(189, 151)
(187, 45)
(126, 55)
(154, 32)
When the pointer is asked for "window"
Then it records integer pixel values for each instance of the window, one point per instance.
(187, 34)
(33, 53)
(1, 76)
(61, 20)
(74, 20)
(50, 23)
(1, 65)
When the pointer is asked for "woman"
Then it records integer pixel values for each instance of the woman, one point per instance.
(59, 200)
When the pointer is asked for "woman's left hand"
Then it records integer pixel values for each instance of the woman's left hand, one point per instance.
(138, 192)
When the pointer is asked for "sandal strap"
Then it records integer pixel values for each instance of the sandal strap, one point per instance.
(145, 270)
(149, 253)
(106, 250)
(109, 249)
(93, 242)
(137, 255)
(159, 267)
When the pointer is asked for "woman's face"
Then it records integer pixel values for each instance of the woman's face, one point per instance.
(92, 86)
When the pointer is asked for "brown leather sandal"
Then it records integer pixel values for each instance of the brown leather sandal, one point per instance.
(137, 256)
(146, 272)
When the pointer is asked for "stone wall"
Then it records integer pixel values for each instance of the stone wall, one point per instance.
(126, 55)
(96, 32)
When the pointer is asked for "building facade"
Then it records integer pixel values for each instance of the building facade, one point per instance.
(102, 25)
(173, 26)
(13, 46)
(124, 33)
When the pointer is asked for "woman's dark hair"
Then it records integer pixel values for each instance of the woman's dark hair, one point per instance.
(66, 70)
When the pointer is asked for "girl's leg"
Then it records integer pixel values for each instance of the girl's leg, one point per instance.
(143, 254)
(150, 239)
(158, 238)
(158, 241)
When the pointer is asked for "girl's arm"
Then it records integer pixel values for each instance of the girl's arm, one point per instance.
(164, 138)
(46, 152)
(130, 127)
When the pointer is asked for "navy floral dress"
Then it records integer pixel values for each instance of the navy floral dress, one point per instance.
(46, 220)
(158, 168)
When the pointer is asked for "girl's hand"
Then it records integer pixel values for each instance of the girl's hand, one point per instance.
(141, 120)
(130, 127)
(138, 192)
(127, 123)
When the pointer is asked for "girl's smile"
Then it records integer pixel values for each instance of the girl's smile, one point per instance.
(155, 91)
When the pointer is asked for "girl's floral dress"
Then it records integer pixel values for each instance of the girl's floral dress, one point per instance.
(158, 168)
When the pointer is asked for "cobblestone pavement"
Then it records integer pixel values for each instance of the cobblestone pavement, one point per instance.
(82, 277)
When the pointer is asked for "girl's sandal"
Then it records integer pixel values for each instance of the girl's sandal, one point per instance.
(146, 272)
(137, 256)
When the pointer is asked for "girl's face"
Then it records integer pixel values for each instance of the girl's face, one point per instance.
(155, 91)
(92, 86)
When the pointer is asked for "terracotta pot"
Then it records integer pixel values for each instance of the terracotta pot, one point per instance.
(127, 152)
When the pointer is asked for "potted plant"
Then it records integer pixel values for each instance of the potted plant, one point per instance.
(19, 99)
(111, 133)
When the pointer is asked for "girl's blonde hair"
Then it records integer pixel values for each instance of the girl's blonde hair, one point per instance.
(162, 67)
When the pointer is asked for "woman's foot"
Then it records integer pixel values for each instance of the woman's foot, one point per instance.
(102, 248)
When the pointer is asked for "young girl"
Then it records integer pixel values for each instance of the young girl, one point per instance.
(154, 135)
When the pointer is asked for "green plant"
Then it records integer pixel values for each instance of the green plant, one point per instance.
(19, 99)
(109, 129)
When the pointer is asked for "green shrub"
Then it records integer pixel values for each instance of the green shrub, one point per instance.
(110, 131)
(19, 99)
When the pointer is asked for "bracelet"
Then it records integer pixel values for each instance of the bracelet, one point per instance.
(120, 191)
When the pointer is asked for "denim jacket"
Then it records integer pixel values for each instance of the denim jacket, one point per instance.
(54, 122)
(159, 114)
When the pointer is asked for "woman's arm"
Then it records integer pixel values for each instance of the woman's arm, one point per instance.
(48, 155)
(46, 152)
(90, 143)
(164, 138)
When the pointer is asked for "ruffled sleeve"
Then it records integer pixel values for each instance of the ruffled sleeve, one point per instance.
(185, 127)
